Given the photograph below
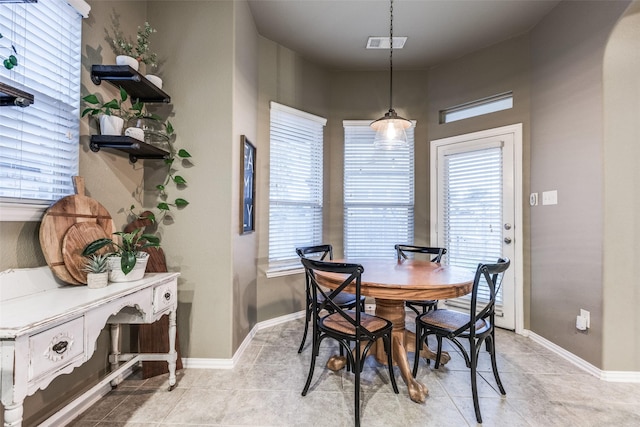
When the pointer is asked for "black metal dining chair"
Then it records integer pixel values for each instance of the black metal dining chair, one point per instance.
(343, 299)
(420, 306)
(345, 326)
(477, 326)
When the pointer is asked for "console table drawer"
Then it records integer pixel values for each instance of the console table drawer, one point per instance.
(54, 348)
(164, 296)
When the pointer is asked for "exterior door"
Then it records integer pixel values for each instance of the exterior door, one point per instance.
(476, 209)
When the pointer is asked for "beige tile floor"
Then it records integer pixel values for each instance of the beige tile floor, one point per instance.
(264, 390)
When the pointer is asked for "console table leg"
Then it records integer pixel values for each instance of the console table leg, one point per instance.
(115, 351)
(173, 354)
(13, 415)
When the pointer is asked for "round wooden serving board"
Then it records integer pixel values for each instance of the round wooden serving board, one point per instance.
(60, 217)
(77, 237)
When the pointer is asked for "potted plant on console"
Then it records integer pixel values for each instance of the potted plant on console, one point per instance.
(97, 273)
(128, 261)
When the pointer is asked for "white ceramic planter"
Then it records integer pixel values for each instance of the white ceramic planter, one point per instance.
(127, 60)
(111, 125)
(116, 274)
(97, 280)
(155, 80)
(136, 133)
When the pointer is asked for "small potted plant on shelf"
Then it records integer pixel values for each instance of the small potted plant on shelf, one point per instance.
(130, 53)
(97, 273)
(127, 261)
(109, 114)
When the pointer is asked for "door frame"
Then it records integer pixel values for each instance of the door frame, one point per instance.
(517, 263)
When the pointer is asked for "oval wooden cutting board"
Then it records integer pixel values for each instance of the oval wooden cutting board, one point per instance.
(60, 217)
(77, 237)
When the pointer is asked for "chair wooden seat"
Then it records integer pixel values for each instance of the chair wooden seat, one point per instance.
(452, 321)
(338, 323)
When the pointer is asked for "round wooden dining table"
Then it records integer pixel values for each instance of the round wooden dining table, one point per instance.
(391, 283)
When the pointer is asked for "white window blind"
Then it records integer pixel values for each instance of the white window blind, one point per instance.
(473, 213)
(295, 184)
(378, 193)
(39, 143)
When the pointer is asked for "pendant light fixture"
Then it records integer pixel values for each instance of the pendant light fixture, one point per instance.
(390, 129)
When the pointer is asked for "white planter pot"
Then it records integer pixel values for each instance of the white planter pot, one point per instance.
(155, 80)
(127, 60)
(111, 125)
(116, 274)
(97, 280)
(136, 133)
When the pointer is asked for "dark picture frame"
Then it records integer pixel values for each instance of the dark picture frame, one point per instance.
(248, 185)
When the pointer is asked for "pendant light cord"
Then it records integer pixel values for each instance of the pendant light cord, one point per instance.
(391, 57)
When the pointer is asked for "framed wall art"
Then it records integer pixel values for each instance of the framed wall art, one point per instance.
(248, 185)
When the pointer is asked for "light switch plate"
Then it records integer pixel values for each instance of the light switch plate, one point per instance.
(550, 197)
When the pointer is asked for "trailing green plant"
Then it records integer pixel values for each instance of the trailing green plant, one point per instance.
(12, 60)
(96, 263)
(172, 177)
(140, 49)
(113, 107)
(131, 245)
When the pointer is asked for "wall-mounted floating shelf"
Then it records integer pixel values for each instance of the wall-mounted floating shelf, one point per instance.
(11, 96)
(136, 85)
(135, 148)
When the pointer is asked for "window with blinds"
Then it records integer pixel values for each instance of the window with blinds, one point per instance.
(39, 143)
(472, 214)
(295, 184)
(378, 193)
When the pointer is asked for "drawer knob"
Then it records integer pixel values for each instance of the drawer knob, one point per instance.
(167, 296)
(60, 347)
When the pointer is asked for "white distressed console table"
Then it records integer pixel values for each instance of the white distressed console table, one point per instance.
(48, 328)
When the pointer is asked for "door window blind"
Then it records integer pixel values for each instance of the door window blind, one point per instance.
(378, 193)
(472, 214)
(295, 184)
(39, 143)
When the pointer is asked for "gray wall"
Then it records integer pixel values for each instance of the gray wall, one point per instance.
(621, 317)
(567, 50)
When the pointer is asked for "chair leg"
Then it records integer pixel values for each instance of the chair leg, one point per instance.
(494, 366)
(356, 391)
(388, 346)
(306, 329)
(474, 383)
(418, 347)
(315, 349)
(413, 309)
(439, 338)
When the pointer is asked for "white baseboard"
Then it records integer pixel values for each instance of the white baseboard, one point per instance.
(611, 376)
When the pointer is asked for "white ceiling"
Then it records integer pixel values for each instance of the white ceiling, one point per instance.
(334, 33)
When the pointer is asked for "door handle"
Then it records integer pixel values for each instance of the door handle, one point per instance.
(507, 240)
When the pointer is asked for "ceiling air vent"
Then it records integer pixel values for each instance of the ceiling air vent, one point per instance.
(382, 42)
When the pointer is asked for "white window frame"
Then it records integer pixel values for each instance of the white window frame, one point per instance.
(25, 76)
(362, 161)
(295, 184)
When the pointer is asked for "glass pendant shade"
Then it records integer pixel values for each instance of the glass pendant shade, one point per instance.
(390, 131)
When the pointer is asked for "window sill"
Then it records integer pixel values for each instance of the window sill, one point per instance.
(22, 212)
(273, 272)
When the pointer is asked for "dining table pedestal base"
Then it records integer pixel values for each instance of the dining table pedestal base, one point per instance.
(403, 341)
